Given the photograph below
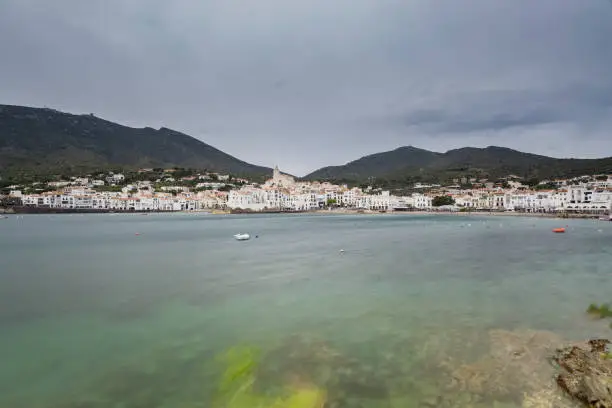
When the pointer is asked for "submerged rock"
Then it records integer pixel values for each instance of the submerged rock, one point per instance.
(547, 398)
(586, 373)
(516, 362)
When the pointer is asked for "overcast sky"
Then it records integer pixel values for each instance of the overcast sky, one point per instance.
(308, 83)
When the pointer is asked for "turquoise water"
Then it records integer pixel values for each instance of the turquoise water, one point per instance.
(93, 315)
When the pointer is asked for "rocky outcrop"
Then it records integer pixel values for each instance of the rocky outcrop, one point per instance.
(518, 365)
(587, 373)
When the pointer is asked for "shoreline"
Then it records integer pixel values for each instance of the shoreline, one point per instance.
(47, 210)
(466, 214)
(43, 210)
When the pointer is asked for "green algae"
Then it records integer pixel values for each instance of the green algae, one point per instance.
(600, 311)
(237, 385)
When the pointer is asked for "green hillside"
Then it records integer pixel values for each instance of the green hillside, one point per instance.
(410, 163)
(44, 140)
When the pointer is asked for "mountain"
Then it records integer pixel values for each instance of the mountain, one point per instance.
(491, 162)
(403, 159)
(41, 140)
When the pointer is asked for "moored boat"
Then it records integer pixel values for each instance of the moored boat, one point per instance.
(242, 237)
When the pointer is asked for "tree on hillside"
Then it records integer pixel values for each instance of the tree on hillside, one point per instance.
(108, 189)
(439, 201)
(227, 187)
(546, 186)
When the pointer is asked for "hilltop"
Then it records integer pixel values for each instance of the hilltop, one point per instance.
(42, 140)
(410, 163)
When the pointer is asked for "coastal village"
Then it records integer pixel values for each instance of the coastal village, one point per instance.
(205, 191)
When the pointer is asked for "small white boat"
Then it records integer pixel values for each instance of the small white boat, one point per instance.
(242, 237)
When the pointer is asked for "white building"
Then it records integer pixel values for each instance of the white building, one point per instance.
(248, 199)
(81, 181)
(302, 202)
(377, 202)
(351, 198)
(115, 178)
(466, 201)
(59, 184)
(422, 201)
(211, 185)
(176, 189)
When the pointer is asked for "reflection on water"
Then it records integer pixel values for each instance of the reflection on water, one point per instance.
(417, 312)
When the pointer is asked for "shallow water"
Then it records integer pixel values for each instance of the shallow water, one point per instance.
(93, 315)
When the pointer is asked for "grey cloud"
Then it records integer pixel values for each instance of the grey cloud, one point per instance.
(497, 110)
(312, 83)
(438, 122)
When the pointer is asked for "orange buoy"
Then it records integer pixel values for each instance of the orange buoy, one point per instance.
(559, 230)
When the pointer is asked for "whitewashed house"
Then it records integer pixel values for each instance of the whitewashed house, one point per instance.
(422, 201)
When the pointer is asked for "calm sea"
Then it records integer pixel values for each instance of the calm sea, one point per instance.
(133, 311)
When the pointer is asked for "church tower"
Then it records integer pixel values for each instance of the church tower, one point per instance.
(276, 174)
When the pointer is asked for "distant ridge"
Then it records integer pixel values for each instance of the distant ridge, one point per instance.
(42, 140)
(493, 162)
